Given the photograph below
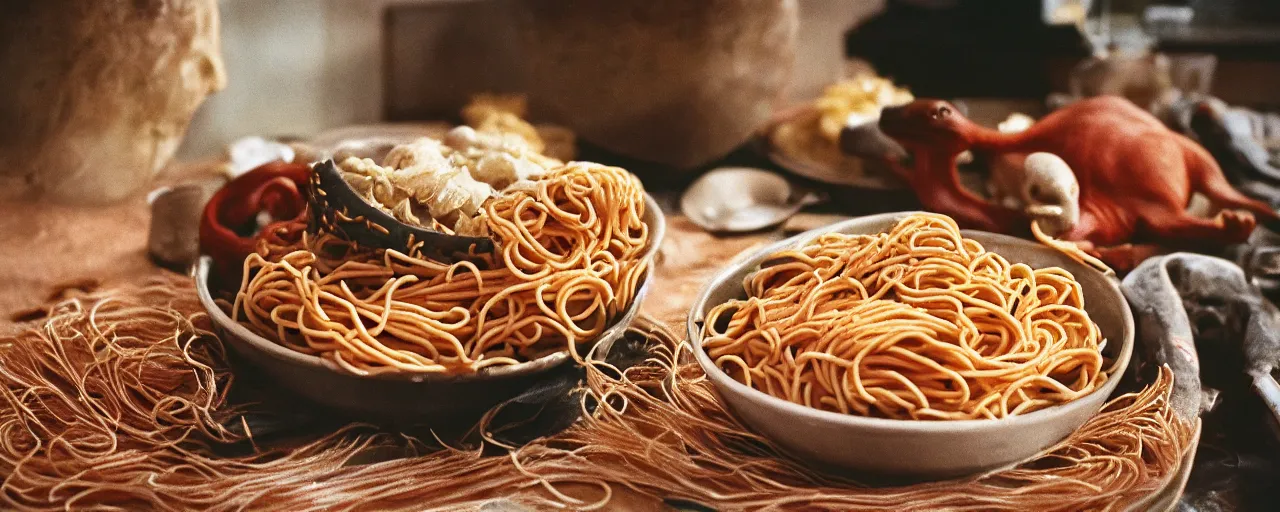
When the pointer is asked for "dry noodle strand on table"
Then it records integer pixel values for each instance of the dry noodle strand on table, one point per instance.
(119, 400)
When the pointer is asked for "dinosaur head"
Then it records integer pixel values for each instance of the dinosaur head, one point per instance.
(927, 124)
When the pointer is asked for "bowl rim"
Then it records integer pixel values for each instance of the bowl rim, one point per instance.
(657, 231)
(722, 380)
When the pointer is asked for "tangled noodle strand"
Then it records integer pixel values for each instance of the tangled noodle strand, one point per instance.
(916, 323)
(119, 401)
(572, 257)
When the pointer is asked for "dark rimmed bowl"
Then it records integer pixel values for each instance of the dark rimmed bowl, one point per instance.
(930, 449)
(418, 397)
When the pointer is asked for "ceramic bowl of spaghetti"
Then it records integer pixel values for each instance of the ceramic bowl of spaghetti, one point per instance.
(395, 330)
(898, 344)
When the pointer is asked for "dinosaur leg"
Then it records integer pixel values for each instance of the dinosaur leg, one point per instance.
(1083, 231)
(934, 181)
(1123, 258)
(1181, 229)
(1207, 178)
(1220, 191)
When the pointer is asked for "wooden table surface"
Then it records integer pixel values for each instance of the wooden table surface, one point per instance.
(52, 251)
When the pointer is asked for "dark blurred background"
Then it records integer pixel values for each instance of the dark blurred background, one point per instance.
(1012, 48)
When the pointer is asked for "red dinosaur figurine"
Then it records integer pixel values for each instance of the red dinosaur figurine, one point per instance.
(1136, 176)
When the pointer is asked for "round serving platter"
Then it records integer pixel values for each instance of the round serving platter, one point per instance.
(856, 172)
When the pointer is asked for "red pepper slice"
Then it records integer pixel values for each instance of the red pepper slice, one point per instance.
(276, 188)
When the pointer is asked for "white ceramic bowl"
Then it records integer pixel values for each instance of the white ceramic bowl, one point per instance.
(410, 396)
(906, 447)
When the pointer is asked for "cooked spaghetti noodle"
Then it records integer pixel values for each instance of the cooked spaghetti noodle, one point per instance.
(571, 258)
(916, 323)
(1072, 250)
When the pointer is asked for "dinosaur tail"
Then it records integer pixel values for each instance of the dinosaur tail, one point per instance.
(1207, 178)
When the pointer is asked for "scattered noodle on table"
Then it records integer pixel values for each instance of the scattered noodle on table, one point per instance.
(120, 400)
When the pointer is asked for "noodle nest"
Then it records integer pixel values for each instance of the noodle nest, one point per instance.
(916, 323)
(572, 253)
(120, 401)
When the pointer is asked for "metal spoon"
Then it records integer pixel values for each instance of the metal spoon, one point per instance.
(742, 199)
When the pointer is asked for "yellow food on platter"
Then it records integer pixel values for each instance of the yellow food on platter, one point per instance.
(814, 134)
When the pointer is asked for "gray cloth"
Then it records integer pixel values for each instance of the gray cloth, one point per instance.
(1181, 300)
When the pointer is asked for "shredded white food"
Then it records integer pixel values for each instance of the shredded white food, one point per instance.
(447, 181)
